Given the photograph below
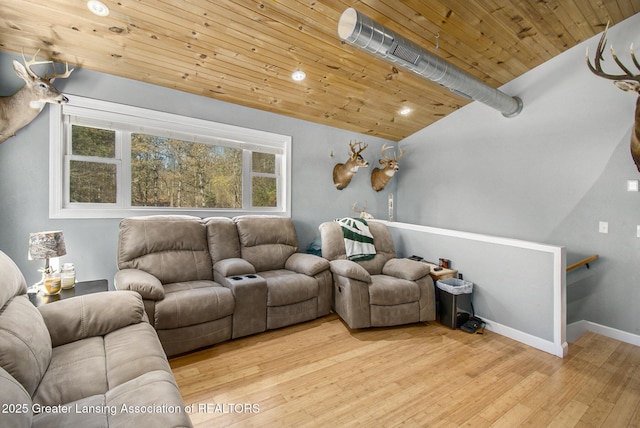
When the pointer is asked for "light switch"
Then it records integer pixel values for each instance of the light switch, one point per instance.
(632, 185)
(603, 227)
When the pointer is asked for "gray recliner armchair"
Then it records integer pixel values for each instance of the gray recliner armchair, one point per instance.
(383, 291)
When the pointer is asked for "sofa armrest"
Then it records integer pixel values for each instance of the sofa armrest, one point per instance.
(307, 264)
(233, 266)
(350, 269)
(410, 270)
(95, 314)
(147, 285)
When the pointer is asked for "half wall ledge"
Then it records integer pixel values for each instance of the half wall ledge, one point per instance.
(519, 286)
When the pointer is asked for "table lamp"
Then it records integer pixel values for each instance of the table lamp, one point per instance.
(43, 246)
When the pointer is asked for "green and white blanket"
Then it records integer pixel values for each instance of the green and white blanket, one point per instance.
(358, 241)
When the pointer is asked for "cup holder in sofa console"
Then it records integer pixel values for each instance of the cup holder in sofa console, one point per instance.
(250, 294)
(238, 278)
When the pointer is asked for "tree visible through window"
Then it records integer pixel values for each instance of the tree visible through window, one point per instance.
(264, 180)
(173, 173)
(93, 182)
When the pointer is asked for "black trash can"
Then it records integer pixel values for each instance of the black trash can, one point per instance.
(452, 292)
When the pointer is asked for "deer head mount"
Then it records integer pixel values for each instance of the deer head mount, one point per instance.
(627, 81)
(19, 109)
(381, 176)
(363, 212)
(344, 172)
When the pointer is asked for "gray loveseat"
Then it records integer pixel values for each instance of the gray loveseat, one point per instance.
(88, 361)
(204, 281)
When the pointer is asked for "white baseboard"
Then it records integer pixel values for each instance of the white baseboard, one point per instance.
(577, 329)
(557, 349)
(574, 331)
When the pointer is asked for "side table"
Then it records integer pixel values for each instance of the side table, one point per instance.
(81, 288)
(444, 273)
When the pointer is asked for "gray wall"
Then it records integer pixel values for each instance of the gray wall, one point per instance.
(549, 175)
(518, 295)
(91, 244)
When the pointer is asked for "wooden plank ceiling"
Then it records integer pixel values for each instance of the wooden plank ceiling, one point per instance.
(244, 51)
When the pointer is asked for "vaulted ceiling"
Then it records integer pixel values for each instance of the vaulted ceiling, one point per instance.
(244, 51)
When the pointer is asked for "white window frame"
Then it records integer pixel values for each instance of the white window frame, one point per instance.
(176, 126)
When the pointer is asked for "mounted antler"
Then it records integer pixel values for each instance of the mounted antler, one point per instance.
(628, 82)
(363, 212)
(597, 67)
(32, 61)
(381, 176)
(344, 172)
(19, 109)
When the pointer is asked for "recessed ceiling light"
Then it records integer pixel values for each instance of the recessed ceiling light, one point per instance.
(98, 8)
(298, 75)
(405, 111)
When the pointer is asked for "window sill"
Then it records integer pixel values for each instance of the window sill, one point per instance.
(74, 213)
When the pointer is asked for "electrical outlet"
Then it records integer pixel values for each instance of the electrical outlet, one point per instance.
(603, 227)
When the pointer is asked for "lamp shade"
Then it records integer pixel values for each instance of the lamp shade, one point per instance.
(45, 245)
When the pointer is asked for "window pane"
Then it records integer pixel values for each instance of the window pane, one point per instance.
(265, 192)
(92, 182)
(173, 173)
(93, 142)
(263, 162)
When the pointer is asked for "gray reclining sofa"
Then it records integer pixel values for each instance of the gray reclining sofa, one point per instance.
(87, 361)
(205, 281)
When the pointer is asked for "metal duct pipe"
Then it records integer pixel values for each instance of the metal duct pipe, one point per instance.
(362, 32)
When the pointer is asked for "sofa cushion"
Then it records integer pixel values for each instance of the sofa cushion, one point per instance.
(286, 287)
(171, 248)
(266, 241)
(222, 235)
(25, 345)
(94, 365)
(18, 410)
(333, 245)
(387, 290)
(192, 302)
(77, 371)
(140, 340)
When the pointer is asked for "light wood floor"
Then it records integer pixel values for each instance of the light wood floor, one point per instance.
(321, 374)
